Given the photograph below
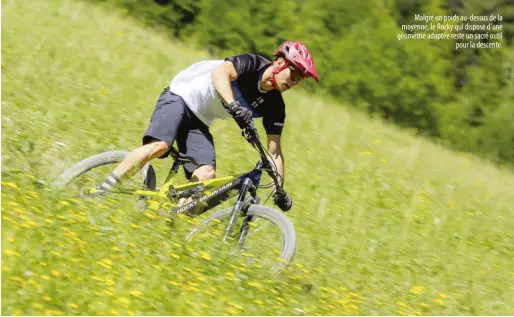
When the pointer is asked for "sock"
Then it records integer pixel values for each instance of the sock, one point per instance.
(110, 182)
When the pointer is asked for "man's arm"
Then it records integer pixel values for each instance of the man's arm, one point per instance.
(281, 199)
(221, 79)
(275, 150)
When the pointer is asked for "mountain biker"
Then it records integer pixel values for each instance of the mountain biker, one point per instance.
(248, 86)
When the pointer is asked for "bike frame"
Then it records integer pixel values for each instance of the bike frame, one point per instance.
(215, 191)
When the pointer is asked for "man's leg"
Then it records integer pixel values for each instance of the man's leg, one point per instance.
(134, 161)
(203, 173)
(195, 140)
(157, 140)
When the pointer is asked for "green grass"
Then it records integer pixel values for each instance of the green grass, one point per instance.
(388, 223)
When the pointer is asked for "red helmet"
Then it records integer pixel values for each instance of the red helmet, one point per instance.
(298, 55)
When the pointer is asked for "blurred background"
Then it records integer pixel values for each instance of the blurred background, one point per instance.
(461, 97)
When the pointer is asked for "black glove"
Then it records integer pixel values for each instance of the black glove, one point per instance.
(242, 115)
(283, 201)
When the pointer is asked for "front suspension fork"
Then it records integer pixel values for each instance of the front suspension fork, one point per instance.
(245, 227)
(238, 206)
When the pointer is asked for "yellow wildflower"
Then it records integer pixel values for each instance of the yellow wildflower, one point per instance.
(33, 194)
(136, 293)
(210, 293)
(9, 252)
(12, 185)
(417, 289)
(109, 292)
(205, 256)
(106, 263)
(232, 312)
(149, 215)
(235, 305)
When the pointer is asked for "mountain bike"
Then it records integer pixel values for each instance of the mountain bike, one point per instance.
(244, 220)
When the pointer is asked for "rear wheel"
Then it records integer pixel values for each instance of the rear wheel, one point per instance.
(269, 240)
(91, 172)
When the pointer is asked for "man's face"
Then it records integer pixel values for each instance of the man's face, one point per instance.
(288, 77)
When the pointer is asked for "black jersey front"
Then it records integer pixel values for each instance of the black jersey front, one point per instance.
(266, 104)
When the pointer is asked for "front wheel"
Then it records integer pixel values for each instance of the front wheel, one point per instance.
(263, 244)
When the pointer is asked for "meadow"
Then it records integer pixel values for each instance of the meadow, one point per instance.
(388, 222)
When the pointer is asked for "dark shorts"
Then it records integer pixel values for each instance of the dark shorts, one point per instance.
(172, 120)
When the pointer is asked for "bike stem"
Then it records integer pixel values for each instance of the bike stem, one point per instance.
(247, 185)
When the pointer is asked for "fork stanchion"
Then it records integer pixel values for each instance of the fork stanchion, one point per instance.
(237, 208)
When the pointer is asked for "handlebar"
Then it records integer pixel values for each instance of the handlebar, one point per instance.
(252, 136)
(281, 198)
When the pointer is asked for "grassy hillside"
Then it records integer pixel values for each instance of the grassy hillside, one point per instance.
(387, 222)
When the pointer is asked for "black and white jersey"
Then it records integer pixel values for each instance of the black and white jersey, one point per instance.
(194, 85)
(266, 104)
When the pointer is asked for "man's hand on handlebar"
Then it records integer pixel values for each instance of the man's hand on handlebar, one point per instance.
(242, 115)
(283, 200)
